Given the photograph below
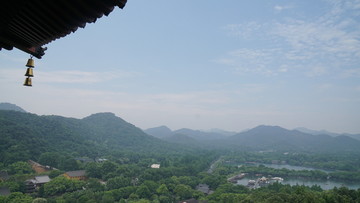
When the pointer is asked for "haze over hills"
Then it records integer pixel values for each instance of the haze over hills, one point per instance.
(183, 139)
(159, 132)
(325, 132)
(102, 132)
(202, 135)
(163, 132)
(114, 131)
(316, 132)
(215, 134)
(11, 107)
(277, 138)
(96, 135)
(260, 138)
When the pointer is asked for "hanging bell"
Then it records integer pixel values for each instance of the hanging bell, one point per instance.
(28, 82)
(30, 63)
(29, 72)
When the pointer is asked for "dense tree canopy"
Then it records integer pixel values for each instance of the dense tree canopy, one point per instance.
(123, 174)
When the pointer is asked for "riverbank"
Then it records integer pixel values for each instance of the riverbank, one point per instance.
(325, 179)
(325, 185)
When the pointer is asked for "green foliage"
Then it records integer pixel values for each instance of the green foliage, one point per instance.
(26, 136)
(213, 180)
(151, 185)
(133, 197)
(118, 182)
(286, 193)
(232, 198)
(69, 165)
(162, 190)
(143, 192)
(55, 173)
(57, 141)
(346, 175)
(107, 198)
(50, 159)
(13, 186)
(20, 167)
(173, 184)
(39, 200)
(183, 191)
(335, 163)
(94, 185)
(123, 193)
(93, 170)
(18, 197)
(108, 167)
(165, 199)
(60, 185)
(141, 201)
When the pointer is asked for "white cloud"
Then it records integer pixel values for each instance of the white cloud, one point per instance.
(342, 6)
(281, 8)
(259, 61)
(318, 39)
(328, 44)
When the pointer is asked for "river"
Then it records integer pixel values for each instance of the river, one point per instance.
(324, 184)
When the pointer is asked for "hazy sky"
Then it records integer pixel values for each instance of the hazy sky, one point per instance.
(202, 64)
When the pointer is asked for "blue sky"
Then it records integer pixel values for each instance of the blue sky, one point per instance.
(203, 64)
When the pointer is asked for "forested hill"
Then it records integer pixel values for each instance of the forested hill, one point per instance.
(114, 132)
(277, 138)
(164, 132)
(12, 107)
(25, 136)
(260, 138)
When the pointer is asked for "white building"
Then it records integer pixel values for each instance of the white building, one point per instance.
(155, 166)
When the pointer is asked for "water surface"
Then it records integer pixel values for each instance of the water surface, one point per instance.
(324, 184)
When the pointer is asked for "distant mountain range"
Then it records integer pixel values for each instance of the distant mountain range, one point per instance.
(30, 135)
(260, 138)
(324, 132)
(277, 138)
(163, 132)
